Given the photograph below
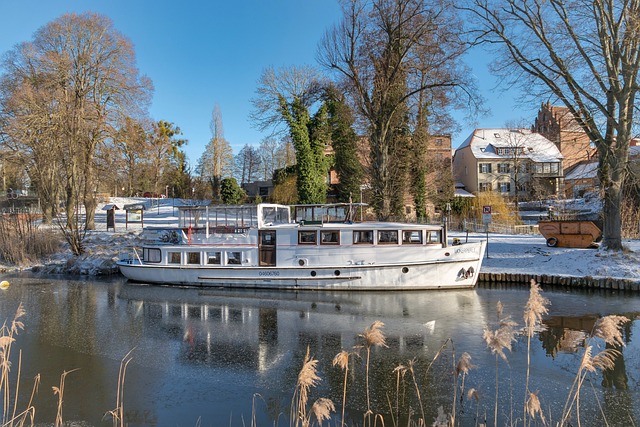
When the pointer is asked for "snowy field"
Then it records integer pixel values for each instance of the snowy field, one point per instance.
(506, 253)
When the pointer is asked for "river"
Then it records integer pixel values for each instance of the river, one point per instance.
(219, 357)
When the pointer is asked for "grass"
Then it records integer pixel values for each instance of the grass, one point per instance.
(405, 393)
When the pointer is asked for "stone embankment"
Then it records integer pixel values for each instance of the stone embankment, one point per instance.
(586, 282)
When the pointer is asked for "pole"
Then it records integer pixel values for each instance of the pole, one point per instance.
(486, 227)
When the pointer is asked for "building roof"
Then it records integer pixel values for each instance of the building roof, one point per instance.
(484, 142)
(459, 192)
(583, 171)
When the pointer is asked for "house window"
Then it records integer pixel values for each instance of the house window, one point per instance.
(555, 167)
(329, 237)
(412, 237)
(363, 237)
(387, 236)
(263, 191)
(504, 187)
(504, 168)
(234, 257)
(485, 167)
(173, 257)
(307, 237)
(438, 141)
(213, 258)
(193, 257)
(485, 186)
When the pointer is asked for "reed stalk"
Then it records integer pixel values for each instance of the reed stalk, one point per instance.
(400, 372)
(117, 414)
(372, 336)
(60, 392)
(609, 329)
(535, 308)
(497, 341)
(342, 360)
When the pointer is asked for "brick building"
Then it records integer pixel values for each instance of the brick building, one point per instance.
(559, 126)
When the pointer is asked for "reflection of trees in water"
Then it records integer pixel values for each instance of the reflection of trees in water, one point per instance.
(568, 334)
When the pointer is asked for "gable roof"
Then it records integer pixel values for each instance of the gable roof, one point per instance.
(484, 142)
(583, 171)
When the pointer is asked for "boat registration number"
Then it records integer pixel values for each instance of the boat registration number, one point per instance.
(268, 273)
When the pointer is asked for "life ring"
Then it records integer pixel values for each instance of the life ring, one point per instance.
(552, 242)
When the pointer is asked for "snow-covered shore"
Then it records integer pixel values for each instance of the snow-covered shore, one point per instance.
(525, 254)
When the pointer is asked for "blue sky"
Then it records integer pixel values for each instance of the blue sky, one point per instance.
(202, 53)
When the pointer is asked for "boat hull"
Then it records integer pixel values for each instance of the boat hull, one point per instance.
(459, 271)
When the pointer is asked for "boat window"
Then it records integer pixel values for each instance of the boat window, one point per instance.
(213, 258)
(234, 257)
(433, 237)
(412, 237)
(387, 236)
(363, 237)
(193, 257)
(151, 255)
(173, 257)
(329, 237)
(307, 237)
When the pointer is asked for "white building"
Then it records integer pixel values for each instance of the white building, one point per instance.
(509, 160)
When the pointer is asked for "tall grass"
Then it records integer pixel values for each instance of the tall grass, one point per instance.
(11, 416)
(22, 241)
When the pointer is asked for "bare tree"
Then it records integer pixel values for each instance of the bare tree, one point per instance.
(217, 160)
(83, 74)
(248, 163)
(586, 54)
(395, 57)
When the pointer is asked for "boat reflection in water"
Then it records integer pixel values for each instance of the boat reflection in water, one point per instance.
(279, 321)
(266, 334)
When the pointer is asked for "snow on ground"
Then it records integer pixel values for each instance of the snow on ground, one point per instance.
(506, 253)
(530, 254)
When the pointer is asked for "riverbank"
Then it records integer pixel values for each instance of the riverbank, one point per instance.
(519, 258)
(509, 258)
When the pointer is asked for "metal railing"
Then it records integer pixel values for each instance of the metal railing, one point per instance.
(496, 227)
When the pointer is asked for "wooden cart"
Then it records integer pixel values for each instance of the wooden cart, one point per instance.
(570, 233)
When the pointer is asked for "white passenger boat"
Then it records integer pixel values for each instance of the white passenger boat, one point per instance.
(302, 247)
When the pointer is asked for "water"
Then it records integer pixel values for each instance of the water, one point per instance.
(220, 357)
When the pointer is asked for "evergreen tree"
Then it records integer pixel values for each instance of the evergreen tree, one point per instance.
(230, 192)
(345, 145)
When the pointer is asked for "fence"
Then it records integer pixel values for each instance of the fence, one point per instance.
(496, 227)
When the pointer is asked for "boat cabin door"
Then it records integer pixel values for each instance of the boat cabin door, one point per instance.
(267, 247)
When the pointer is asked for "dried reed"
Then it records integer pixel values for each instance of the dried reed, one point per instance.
(400, 371)
(342, 360)
(372, 336)
(117, 414)
(463, 367)
(307, 378)
(497, 341)
(535, 308)
(60, 392)
(609, 329)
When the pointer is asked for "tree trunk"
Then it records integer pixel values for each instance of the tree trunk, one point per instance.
(612, 222)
